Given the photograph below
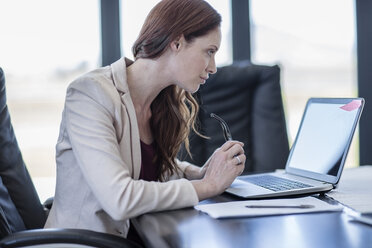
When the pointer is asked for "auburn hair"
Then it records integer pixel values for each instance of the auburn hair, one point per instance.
(174, 110)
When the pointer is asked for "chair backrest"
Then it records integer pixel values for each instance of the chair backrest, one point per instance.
(20, 207)
(248, 97)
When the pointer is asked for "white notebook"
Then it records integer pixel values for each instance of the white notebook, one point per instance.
(253, 208)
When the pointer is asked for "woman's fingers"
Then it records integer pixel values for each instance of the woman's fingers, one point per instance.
(238, 159)
(225, 165)
(229, 144)
(235, 150)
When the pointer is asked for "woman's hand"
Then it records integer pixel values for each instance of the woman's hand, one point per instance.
(225, 164)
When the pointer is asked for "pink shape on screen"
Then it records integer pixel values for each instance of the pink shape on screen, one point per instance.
(354, 104)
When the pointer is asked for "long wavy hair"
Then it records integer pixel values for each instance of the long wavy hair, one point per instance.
(174, 110)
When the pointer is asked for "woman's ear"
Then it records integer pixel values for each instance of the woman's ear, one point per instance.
(178, 43)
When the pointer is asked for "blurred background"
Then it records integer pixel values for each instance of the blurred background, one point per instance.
(45, 44)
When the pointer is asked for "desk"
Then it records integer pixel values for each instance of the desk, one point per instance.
(191, 228)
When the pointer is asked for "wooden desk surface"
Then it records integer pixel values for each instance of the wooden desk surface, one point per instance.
(191, 228)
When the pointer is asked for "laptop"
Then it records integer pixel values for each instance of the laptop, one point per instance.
(317, 156)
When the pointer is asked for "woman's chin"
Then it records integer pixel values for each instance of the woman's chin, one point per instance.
(195, 90)
(191, 90)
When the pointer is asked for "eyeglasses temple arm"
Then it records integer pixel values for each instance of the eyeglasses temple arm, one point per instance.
(225, 127)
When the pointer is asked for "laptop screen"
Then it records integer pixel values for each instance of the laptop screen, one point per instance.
(324, 136)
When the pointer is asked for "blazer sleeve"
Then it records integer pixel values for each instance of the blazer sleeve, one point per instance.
(182, 166)
(90, 119)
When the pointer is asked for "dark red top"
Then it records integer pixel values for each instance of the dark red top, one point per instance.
(148, 167)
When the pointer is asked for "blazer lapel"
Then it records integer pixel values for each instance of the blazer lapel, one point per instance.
(118, 69)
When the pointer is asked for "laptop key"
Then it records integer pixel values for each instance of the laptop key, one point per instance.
(275, 183)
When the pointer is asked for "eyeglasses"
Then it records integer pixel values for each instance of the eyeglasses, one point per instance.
(225, 127)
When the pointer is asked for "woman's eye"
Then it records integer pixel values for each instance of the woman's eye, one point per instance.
(211, 52)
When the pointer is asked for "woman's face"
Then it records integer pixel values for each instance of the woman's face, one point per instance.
(194, 61)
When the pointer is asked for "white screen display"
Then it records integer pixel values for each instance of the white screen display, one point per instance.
(324, 137)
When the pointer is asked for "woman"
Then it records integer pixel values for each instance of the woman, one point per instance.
(123, 125)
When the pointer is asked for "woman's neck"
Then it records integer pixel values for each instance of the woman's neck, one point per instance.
(146, 78)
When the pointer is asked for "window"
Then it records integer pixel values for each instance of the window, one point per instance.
(44, 45)
(314, 43)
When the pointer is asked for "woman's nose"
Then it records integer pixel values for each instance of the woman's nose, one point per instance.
(212, 69)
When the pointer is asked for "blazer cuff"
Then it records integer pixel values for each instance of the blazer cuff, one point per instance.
(182, 166)
(194, 199)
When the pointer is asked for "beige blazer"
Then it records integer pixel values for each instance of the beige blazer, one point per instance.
(98, 159)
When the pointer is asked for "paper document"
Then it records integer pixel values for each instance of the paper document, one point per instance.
(354, 189)
(252, 208)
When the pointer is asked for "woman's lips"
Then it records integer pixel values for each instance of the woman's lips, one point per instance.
(204, 79)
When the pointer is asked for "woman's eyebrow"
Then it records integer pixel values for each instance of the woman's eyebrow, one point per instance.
(215, 47)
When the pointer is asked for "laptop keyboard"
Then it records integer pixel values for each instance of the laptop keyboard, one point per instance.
(275, 183)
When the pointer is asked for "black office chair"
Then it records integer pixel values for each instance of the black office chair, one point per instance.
(248, 97)
(22, 216)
